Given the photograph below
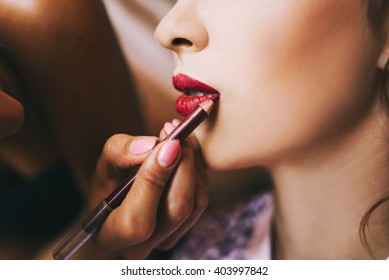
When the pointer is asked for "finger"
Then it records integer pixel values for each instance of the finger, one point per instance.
(175, 207)
(199, 161)
(121, 152)
(201, 200)
(166, 130)
(200, 204)
(178, 201)
(124, 151)
(134, 220)
(176, 122)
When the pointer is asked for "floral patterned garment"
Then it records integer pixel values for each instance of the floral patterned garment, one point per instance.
(241, 232)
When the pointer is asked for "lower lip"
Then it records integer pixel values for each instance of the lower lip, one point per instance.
(186, 104)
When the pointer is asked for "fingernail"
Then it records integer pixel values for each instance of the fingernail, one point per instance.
(168, 127)
(142, 145)
(169, 152)
(176, 122)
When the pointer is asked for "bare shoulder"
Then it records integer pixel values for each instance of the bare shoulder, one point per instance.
(16, 14)
(29, 26)
(66, 54)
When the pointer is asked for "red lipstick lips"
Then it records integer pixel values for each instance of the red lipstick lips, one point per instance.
(195, 92)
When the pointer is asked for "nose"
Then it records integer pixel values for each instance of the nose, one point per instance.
(181, 30)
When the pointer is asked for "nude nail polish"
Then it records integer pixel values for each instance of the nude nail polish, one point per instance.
(169, 153)
(142, 145)
(168, 127)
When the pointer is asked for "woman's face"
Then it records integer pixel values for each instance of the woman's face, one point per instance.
(292, 74)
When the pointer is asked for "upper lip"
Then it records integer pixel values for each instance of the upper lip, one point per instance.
(188, 85)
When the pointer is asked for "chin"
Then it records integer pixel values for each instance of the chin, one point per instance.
(220, 154)
(219, 161)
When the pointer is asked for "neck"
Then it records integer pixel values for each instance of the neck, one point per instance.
(322, 199)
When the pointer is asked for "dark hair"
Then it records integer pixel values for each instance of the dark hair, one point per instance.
(377, 14)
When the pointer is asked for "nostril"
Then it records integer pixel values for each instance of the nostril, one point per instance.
(182, 42)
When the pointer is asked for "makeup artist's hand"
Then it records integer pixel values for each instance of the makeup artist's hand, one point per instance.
(168, 196)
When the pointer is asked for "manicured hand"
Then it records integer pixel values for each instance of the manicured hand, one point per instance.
(168, 196)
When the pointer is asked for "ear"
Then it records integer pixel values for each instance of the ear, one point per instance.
(383, 60)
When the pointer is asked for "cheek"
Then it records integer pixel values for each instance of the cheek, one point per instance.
(294, 84)
(273, 125)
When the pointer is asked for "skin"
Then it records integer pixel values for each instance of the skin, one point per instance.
(11, 110)
(164, 202)
(82, 84)
(299, 87)
(160, 207)
(77, 92)
(11, 115)
(48, 63)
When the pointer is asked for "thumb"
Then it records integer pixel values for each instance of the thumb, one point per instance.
(135, 219)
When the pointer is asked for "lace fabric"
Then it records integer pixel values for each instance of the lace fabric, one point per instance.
(242, 232)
